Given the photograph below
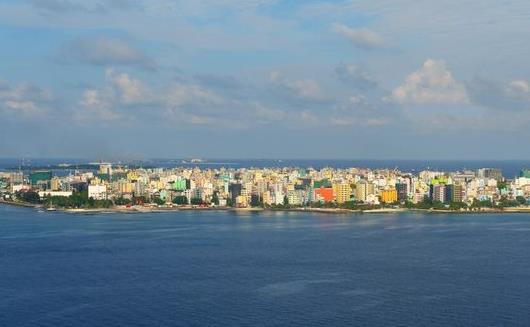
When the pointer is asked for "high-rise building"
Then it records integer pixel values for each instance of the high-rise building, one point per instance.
(493, 173)
(457, 193)
(342, 192)
(235, 191)
(449, 192)
(105, 169)
(97, 191)
(402, 192)
(437, 193)
(16, 178)
(55, 184)
(324, 194)
(363, 189)
(389, 196)
(179, 184)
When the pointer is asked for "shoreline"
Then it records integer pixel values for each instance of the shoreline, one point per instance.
(338, 211)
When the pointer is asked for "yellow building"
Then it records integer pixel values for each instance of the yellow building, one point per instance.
(266, 197)
(105, 169)
(55, 184)
(342, 192)
(125, 187)
(132, 176)
(389, 196)
(363, 189)
(241, 201)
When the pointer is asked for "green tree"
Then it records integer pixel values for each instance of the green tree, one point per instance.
(521, 200)
(457, 205)
(196, 201)
(180, 200)
(30, 197)
(159, 201)
(122, 201)
(255, 201)
(215, 198)
(230, 202)
(502, 185)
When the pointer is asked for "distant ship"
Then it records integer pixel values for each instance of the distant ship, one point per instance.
(195, 160)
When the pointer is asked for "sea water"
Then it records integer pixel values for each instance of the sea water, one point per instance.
(204, 268)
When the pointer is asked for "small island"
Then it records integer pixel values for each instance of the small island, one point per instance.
(108, 187)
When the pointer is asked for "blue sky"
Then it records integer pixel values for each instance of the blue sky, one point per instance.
(360, 79)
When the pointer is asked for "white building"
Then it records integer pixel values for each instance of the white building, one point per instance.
(55, 193)
(97, 192)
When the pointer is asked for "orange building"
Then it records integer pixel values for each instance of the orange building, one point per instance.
(389, 196)
(325, 193)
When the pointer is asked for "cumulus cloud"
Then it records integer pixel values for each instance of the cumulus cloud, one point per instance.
(513, 95)
(123, 93)
(23, 98)
(359, 110)
(221, 82)
(355, 76)
(304, 89)
(97, 106)
(433, 83)
(104, 51)
(266, 115)
(519, 87)
(129, 91)
(119, 92)
(181, 94)
(85, 6)
(360, 37)
(356, 99)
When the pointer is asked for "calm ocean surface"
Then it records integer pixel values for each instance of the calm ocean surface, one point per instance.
(263, 269)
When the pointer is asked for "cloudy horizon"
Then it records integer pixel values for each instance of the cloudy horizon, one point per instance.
(264, 79)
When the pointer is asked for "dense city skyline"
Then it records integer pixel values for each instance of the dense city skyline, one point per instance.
(107, 185)
(264, 79)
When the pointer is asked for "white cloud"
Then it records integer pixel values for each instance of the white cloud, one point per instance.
(519, 87)
(361, 37)
(433, 83)
(120, 91)
(265, 114)
(181, 94)
(302, 88)
(355, 76)
(514, 95)
(356, 99)
(129, 91)
(91, 98)
(105, 51)
(84, 6)
(357, 121)
(123, 93)
(27, 107)
(96, 107)
(23, 98)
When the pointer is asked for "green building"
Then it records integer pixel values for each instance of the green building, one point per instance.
(322, 183)
(179, 185)
(525, 173)
(40, 176)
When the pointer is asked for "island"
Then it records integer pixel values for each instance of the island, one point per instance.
(108, 187)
